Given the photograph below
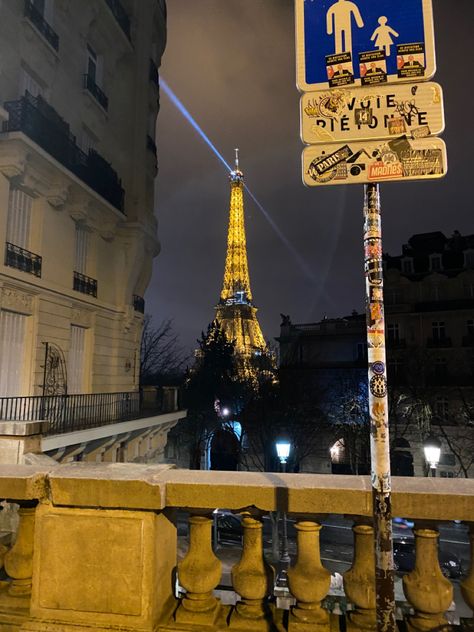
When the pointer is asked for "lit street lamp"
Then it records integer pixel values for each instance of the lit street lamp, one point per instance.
(283, 447)
(432, 450)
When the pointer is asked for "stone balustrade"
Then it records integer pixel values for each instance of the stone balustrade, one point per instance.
(96, 549)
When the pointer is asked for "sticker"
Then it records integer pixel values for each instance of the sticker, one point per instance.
(374, 271)
(364, 116)
(378, 412)
(378, 385)
(373, 68)
(327, 163)
(340, 69)
(411, 60)
(421, 132)
(378, 368)
(397, 126)
(376, 294)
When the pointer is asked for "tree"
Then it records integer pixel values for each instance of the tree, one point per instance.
(162, 359)
(214, 382)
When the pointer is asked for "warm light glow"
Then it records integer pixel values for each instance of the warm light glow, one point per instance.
(225, 412)
(283, 450)
(336, 451)
(432, 455)
(432, 449)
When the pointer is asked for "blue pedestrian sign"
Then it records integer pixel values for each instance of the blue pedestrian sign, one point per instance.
(348, 43)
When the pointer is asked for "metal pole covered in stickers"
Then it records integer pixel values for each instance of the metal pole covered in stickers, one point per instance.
(378, 407)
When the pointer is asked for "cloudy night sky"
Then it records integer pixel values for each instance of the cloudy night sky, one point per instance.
(232, 64)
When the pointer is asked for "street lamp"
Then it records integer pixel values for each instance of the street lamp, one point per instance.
(283, 447)
(432, 450)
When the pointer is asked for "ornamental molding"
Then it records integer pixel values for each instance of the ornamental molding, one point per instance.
(16, 300)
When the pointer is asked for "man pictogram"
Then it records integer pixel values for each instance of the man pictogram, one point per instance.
(339, 22)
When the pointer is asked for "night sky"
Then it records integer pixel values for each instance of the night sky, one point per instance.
(232, 64)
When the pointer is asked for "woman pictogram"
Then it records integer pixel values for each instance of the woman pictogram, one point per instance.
(383, 36)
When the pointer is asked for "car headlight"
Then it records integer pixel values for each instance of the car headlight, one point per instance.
(451, 563)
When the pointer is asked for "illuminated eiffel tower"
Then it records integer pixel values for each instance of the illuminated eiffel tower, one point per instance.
(235, 311)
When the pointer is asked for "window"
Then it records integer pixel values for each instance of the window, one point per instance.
(469, 258)
(76, 360)
(407, 265)
(19, 218)
(445, 474)
(12, 353)
(395, 367)
(447, 458)
(436, 263)
(393, 297)
(441, 367)
(470, 327)
(393, 332)
(88, 140)
(82, 246)
(361, 351)
(442, 407)
(29, 84)
(438, 329)
(94, 66)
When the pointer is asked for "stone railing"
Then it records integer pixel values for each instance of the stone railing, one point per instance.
(97, 549)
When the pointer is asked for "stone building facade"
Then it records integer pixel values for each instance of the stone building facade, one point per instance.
(429, 321)
(79, 100)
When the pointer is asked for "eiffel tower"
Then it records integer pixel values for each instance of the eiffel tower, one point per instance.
(235, 311)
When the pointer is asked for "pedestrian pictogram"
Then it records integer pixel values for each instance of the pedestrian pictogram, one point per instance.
(360, 42)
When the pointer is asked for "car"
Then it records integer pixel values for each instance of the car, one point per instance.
(404, 559)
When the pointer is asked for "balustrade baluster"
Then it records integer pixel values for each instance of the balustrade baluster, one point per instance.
(252, 578)
(199, 573)
(467, 586)
(19, 559)
(427, 590)
(309, 581)
(359, 580)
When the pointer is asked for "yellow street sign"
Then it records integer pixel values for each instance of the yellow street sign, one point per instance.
(375, 112)
(357, 162)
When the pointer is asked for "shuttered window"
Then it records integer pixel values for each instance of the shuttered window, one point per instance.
(12, 353)
(76, 360)
(82, 244)
(19, 218)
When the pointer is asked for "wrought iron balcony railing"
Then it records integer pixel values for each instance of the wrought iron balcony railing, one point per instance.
(68, 413)
(84, 284)
(91, 87)
(468, 341)
(439, 343)
(153, 75)
(38, 21)
(121, 16)
(150, 144)
(138, 303)
(21, 259)
(37, 119)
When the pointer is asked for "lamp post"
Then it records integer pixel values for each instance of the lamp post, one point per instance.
(432, 450)
(283, 447)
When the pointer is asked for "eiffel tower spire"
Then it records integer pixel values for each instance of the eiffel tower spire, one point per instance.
(236, 312)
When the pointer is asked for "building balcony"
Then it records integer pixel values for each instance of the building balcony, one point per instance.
(396, 343)
(439, 343)
(72, 413)
(93, 89)
(82, 526)
(84, 284)
(468, 341)
(21, 259)
(37, 19)
(34, 117)
(120, 16)
(153, 74)
(150, 144)
(139, 304)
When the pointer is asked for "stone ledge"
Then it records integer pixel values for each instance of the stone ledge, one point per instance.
(15, 428)
(154, 487)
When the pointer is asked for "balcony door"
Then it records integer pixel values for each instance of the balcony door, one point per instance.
(12, 353)
(77, 360)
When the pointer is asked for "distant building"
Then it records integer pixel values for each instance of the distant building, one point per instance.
(429, 314)
(79, 86)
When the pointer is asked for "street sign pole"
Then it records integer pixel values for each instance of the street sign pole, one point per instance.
(378, 407)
